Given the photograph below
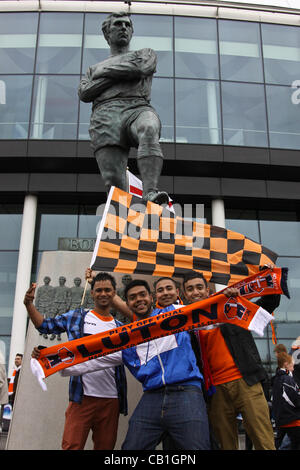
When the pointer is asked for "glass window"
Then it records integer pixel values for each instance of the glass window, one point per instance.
(263, 348)
(88, 221)
(196, 51)
(55, 107)
(85, 111)
(95, 47)
(281, 51)
(284, 127)
(280, 231)
(8, 273)
(156, 32)
(17, 42)
(198, 112)
(162, 99)
(15, 97)
(244, 222)
(59, 43)
(53, 223)
(288, 330)
(11, 223)
(244, 114)
(240, 51)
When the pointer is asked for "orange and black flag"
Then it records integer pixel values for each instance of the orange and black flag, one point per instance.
(139, 237)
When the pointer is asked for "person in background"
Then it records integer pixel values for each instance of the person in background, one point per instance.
(3, 388)
(286, 399)
(13, 381)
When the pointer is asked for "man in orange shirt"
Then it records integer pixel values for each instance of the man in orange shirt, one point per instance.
(237, 373)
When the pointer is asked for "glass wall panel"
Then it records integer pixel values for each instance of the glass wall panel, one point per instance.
(95, 47)
(284, 126)
(244, 222)
(244, 114)
(15, 98)
(240, 51)
(281, 52)
(55, 107)
(155, 32)
(17, 42)
(88, 221)
(53, 223)
(280, 231)
(8, 273)
(85, 110)
(198, 112)
(59, 43)
(288, 331)
(10, 223)
(263, 348)
(4, 349)
(162, 99)
(196, 49)
(288, 309)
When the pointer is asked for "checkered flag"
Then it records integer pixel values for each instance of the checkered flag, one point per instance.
(140, 237)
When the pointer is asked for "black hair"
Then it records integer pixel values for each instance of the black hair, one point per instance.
(103, 277)
(165, 278)
(193, 275)
(134, 283)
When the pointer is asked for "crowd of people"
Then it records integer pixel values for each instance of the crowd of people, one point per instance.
(195, 384)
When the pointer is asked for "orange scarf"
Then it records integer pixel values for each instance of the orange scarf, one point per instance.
(216, 309)
(11, 383)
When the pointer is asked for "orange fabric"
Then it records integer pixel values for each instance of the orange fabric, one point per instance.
(218, 309)
(292, 424)
(11, 382)
(221, 363)
(102, 317)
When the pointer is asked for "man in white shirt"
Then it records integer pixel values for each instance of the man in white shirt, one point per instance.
(97, 398)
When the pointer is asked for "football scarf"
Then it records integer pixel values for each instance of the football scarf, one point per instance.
(139, 237)
(216, 309)
(266, 282)
(11, 383)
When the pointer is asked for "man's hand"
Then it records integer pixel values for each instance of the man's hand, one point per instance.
(36, 352)
(29, 296)
(231, 292)
(89, 275)
(267, 265)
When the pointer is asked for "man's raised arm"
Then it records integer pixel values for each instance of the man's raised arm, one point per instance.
(35, 316)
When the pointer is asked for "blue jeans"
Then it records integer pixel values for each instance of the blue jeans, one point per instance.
(179, 410)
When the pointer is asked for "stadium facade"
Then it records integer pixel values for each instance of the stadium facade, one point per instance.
(227, 89)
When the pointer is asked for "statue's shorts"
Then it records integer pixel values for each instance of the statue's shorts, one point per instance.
(111, 121)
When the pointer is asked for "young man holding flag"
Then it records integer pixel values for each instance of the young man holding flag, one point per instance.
(95, 400)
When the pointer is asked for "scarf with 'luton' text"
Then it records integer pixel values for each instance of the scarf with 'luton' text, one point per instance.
(216, 309)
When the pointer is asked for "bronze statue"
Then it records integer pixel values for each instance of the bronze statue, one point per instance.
(122, 117)
(76, 293)
(44, 299)
(61, 301)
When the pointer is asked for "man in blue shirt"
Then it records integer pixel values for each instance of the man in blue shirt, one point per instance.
(172, 401)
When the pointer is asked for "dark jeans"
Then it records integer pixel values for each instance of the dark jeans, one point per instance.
(294, 435)
(179, 410)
